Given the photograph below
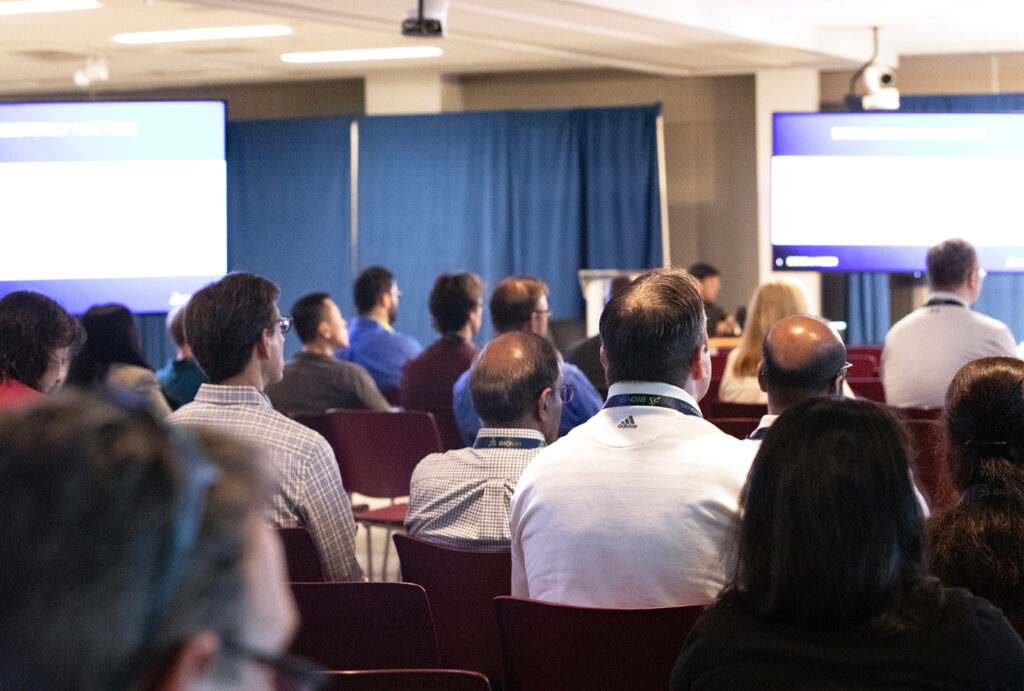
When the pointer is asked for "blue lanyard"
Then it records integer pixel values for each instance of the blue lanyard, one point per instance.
(508, 443)
(650, 400)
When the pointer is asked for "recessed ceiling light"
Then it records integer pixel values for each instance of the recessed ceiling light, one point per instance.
(364, 54)
(203, 34)
(33, 6)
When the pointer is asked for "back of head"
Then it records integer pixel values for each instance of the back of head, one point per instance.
(831, 529)
(369, 286)
(224, 322)
(32, 327)
(307, 313)
(702, 271)
(513, 301)
(453, 299)
(176, 326)
(801, 357)
(771, 302)
(110, 338)
(106, 588)
(651, 329)
(510, 374)
(950, 263)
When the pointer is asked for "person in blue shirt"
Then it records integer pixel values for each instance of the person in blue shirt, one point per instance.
(520, 303)
(373, 342)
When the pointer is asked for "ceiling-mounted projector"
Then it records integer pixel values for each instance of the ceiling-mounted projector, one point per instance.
(429, 20)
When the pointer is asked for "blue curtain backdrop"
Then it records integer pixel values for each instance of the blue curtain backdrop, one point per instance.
(541, 193)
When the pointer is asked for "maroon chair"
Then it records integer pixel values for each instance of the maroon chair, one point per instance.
(408, 680)
(377, 453)
(917, 413)
(318, 423)
(365, 626)
(931, 471)
(549, 646)
(719, 409)
(301, 556)
(461, 586)
(870, 389)
(738, 427)
(865, 365)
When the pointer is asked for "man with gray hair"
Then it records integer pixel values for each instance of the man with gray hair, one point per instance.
(460, 498)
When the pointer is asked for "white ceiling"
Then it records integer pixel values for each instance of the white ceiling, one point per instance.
(39, 53)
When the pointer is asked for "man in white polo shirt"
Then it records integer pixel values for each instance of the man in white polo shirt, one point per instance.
(635, 507)
(925, 349)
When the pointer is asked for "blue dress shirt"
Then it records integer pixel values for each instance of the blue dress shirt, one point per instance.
(380, 349)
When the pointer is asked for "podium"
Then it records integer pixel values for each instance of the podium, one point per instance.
(595, 284)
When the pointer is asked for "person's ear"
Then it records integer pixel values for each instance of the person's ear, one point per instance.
(193, 661)
(604, 360)
(542, 409)
(700, 363)
(760, 376)
(323, 330)
(836, 387)
(263, 345)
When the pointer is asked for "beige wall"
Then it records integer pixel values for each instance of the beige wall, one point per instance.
(709, 148)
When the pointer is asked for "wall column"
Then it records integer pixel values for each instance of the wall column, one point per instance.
(415, 91)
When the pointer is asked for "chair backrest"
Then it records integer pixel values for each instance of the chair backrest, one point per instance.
(461, 586)
(865, 365)
(301, 556)
(408, 680)
(931, 471)
(720, 409)
(738, 427)
(549, 646)
(917, 413)
(377, 451)
(871, 389)
(365, 625)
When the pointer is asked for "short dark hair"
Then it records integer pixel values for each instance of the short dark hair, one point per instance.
(110, 338)
(701, 271)
(651, 329)
(307, 313)
(951, 262)
(831, 533)
(176, 326)
(504, 388)
(32, 327)
(513, 301)
(814, 378)
(92, 491)
(977, 545)
(225, 321)
(452, 299)
(369, 286)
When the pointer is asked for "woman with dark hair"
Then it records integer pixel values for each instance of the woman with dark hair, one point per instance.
(112, 357)
(36, 335)
(979, 545)
(828, 586)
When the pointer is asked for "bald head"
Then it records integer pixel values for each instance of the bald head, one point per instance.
(801, 357)
(509, 377)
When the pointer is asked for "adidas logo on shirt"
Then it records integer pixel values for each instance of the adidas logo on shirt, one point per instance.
(628, 423)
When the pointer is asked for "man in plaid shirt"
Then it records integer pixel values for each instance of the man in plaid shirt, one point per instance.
(460, 498)
(237, 336)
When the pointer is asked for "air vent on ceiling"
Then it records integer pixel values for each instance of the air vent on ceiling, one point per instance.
(43, 55)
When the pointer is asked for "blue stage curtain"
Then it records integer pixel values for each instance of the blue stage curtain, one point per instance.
(289, 211)
(540, 193)
(868, 308)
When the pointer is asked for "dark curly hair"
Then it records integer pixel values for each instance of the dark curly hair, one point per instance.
(32, 327)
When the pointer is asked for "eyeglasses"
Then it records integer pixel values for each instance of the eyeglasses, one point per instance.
(844, 369)
(564, 392)
(285, 323)
(546, 313)
(291, 673)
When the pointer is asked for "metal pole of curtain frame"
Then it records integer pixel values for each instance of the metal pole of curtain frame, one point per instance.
(353, 137)
(666, 254)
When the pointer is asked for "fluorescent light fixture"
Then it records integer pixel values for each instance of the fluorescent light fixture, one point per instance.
(213, 34)
(364, 54)
(33, 6)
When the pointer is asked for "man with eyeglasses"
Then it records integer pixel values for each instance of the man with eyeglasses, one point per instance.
(237, 336)
(520, 303)
(926, 348)
(635, 507)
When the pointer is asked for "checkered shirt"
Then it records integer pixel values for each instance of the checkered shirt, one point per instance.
(310, 491)
(460, 498)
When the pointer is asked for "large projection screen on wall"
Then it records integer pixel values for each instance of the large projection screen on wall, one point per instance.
(112, 202)
(872, 191)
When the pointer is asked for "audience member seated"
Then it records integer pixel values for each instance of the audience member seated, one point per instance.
(460, 498)
(237, 335)
(314, 381)
(456, 308)
(373, 341)
(520, 303)
(828, 588)
(586, 354)
(181, 377)
(36, 335)
(635, 507)
(925, 349)
(112, 357)
(979, 544)
(770, 303)
(134, 558)
(802, 357)
(710, 280)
